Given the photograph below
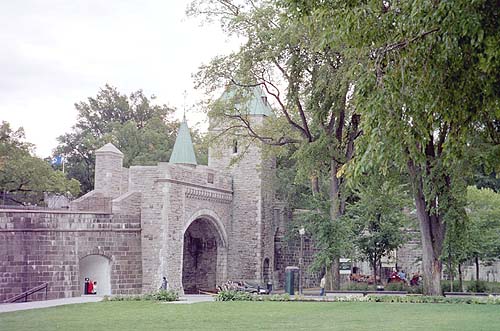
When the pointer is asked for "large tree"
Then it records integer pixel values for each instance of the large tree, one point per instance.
(306, 80)
(25, 178)
(143, 131)
(429, 81)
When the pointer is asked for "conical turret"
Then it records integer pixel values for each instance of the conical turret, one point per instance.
(183, 152)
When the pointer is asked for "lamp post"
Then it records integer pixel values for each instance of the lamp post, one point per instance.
(302, 231)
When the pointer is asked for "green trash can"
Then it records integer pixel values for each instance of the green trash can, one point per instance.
(290, 279)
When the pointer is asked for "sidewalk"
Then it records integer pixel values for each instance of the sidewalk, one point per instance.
(7, 307)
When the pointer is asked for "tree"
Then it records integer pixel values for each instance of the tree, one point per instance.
(378, 216)
(429, 80)
(305, 79)
(143, 131)
(483, 209)
(23, 177)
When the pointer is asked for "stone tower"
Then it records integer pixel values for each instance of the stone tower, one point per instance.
(251, 253)
(108, 170)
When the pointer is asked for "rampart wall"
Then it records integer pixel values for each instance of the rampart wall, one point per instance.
(39, 247)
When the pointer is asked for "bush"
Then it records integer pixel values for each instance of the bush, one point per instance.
(359, 287)
(472, 286)
(477, 286)
(232, 295)
(397, 287)
(161, 295)
(446, 286)
(434, 299)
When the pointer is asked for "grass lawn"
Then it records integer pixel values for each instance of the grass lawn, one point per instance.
(255, 316)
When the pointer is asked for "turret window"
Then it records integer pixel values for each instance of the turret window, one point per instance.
(235, 146)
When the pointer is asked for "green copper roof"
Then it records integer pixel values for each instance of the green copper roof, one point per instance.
(254, 100)
(183, 149)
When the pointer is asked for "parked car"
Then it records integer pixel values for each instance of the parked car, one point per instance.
(255, 288)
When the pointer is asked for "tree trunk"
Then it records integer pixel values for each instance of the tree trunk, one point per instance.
(432, 231)
(314, 185)
(450, 272)
(476, 260)
(335, 212)
(460, 278)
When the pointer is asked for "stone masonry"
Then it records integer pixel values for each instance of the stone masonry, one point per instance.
(39, 247)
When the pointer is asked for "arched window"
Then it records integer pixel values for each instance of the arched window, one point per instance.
(235, 146)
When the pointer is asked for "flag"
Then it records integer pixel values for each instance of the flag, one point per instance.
(57, 160)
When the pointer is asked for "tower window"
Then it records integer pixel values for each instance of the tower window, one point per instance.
(235, 146)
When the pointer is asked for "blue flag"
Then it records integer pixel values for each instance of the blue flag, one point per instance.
(57, 160)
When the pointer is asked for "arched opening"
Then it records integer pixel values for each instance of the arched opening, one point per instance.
(204, 257)
(97, 268)
(266, 272)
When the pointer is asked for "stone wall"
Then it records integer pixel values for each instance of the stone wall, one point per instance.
(40, 246)
(95, 201)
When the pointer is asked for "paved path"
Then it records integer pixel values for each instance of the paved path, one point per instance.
(194, 298)
(6, 307)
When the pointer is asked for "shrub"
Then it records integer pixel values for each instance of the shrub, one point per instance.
(232, 295)
(359, 287)
(396, 287)
(446, 286)
(472, 286)
(477, 286)
(161, 295)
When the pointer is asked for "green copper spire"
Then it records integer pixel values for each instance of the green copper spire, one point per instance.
(183, 152)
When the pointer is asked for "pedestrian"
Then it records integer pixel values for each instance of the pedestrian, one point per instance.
(322, 284)
(164, 284)
(95, 288)
(86, 286)
(90, 287)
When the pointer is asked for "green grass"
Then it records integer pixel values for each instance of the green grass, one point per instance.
(255, 316)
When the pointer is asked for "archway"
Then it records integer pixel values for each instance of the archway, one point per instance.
(98, 269)
(204, 257)
(266, 273)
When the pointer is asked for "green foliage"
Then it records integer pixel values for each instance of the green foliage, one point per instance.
(432, 299)
(231, 295)
(484, 230)
(333, 239)
(477, 287)
(377, 215)
(425, 87)
(161, 295)
(359, 287)
(143, 131)
(23, 177)
(235, 296)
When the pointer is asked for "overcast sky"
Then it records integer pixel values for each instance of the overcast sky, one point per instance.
(54, 53)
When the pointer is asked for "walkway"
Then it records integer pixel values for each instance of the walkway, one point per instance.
(7, 307)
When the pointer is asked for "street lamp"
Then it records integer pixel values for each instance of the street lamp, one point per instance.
(302, 231)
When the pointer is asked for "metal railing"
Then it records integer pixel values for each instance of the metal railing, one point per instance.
(27, 293)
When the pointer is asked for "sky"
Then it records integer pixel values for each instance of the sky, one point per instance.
(54, 53)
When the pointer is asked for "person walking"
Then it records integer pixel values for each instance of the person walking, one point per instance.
(164, 284)
(322, 284)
